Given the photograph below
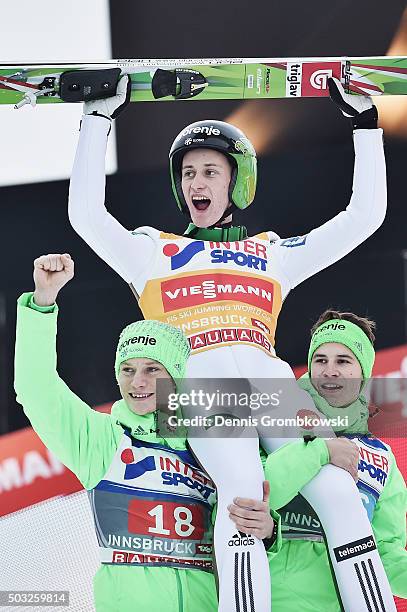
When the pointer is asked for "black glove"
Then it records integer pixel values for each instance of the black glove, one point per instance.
(110, 108)
(360, 109)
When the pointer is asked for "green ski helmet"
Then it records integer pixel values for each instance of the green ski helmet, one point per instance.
(226, 139)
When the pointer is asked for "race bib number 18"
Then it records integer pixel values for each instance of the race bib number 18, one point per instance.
(168, 520)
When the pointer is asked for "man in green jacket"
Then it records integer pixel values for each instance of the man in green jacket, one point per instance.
(151, 501)
(340, 361)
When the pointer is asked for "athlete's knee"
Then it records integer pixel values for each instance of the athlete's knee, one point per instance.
(332, 489)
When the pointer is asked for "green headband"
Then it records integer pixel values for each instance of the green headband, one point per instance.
(349, 334)
(154, 340)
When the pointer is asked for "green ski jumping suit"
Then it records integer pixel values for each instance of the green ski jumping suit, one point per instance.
(96, 447)
(301, 575)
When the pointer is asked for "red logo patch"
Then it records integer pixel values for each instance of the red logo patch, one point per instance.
(185, 292)
(315, 77)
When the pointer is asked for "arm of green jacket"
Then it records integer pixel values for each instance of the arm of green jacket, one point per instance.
(389, 526)
(291, 467)
(83, 439)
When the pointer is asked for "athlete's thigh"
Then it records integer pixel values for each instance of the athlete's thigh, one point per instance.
(232, 463)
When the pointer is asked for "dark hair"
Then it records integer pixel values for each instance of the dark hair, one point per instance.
(367, 325)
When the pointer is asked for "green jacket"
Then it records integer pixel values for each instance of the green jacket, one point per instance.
(86, 442)
(301, 575)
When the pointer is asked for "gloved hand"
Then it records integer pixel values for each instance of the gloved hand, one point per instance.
(360, 109)
(111, 107)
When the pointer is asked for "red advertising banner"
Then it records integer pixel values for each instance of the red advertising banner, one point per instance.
(30, 473)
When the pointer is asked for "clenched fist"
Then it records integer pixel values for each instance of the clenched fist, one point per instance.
(51, 273)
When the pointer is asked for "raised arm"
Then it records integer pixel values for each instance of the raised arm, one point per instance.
(304, 256)
(126, 253)
(84, 440)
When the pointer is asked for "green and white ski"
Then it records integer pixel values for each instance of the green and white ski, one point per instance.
(201, 79)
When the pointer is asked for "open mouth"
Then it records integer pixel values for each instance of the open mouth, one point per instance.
(331, 387)
(200, 202)
(140, 396)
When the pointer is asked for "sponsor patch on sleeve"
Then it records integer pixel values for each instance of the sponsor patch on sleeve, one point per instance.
(295, 241)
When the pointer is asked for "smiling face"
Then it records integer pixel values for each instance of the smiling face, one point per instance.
(137, 382)
(336, 374)
(206, 176)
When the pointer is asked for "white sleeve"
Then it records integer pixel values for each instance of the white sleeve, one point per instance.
(126, 253)
(303, 256)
